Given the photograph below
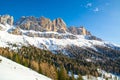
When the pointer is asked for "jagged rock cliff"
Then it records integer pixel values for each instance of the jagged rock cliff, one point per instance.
(6, 19)
(79, 31)
(32, 26)
(59, 25)
(44, 24)
(41, 24)
(28, 23)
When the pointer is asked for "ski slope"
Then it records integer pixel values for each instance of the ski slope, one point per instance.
(10, 70)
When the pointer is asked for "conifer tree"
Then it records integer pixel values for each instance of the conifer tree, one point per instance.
(62, 74)
(72, 76)
(79, 77)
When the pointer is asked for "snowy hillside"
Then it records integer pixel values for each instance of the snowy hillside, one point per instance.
(88, 51)
(40, 33)
(10, 70)
(51, 44)
(14, 71)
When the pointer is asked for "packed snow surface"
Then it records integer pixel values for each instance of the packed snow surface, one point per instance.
(10, 70)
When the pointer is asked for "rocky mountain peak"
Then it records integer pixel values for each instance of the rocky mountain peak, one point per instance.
(78, 30)
(59, 21)
(29, 23)
(41, 24)
(6, 19)
(59, 25)
(25, 19)
(84, 31)
(45, 23)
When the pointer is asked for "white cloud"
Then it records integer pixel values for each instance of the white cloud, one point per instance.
(89, 5)
(96, 9)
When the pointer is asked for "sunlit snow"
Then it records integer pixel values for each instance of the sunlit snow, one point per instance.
(10, 70)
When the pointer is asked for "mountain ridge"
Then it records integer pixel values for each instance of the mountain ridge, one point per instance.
(77, 45)
(30, 23)
(43, 24)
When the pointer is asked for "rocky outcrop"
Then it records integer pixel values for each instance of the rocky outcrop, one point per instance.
(78, 31)
(41, 24)
(16, 31)
(91, 37)
(84, 31)
(59, 25)
(6, 19)
(45, 23)
(28, 23)
(51, 35)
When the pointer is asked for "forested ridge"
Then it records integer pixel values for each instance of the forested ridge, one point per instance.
(57, 66)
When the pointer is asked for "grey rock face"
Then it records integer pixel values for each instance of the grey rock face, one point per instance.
(78, 31)
(41, 24)
(59, 25)
(45, 24)
(51, 35)
(28, 23)
(6, 19)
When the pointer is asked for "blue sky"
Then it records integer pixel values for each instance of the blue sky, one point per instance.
(100, 17)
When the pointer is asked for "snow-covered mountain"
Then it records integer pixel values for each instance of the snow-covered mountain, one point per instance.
(57, 38)
(51, 40)
(10, 70)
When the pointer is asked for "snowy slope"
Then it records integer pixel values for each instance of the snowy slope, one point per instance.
(46, 43)
(50, 43)
(10, 70)
(16, 71)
